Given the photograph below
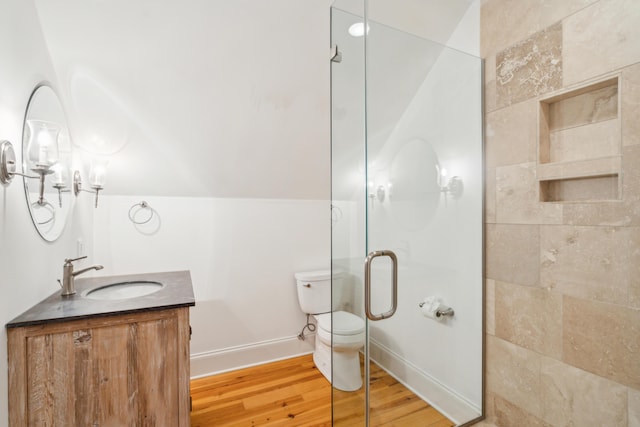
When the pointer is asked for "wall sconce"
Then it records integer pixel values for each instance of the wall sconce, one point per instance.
(7, 162)
(42, 151)
(97, 178)
(455, 186)
(375, 193)
(380, 193)
(59, 180)
(43, 156)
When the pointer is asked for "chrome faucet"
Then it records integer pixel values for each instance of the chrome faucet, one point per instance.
(68, 276)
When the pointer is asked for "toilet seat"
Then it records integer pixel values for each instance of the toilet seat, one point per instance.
(344, 323)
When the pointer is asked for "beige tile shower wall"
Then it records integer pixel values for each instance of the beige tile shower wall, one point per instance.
(530, 68)
(600, 38)
(563, 279)
(631, 105)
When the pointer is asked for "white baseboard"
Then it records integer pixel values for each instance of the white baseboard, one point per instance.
(230, 359)
(446, 401)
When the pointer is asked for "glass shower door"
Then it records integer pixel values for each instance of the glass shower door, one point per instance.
(407, 184)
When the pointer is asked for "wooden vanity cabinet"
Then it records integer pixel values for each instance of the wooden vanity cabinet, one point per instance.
(117, 370)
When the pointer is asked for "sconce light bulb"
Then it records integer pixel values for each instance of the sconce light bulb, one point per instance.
(443, 172)
(357, 29)
(98, 176)
(59, 175)
(43, 144)
(98, 173)
(44, 140)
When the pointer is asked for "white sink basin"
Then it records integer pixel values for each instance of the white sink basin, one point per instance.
(124, 290)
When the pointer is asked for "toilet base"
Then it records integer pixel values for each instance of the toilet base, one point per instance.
(346, 375)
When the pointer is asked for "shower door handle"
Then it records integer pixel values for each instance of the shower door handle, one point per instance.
(367, 285)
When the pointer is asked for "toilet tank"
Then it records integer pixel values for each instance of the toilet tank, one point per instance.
(314, 291)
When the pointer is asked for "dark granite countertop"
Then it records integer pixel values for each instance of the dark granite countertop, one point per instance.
(177, 291)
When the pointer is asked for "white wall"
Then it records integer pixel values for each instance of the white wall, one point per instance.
(29, 266)
(242, 254)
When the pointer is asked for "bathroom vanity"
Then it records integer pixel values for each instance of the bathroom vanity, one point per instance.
(104, 356)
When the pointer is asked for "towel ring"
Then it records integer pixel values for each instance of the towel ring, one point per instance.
(140, 206)
(49, 207)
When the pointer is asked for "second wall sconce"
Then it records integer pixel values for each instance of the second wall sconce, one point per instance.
(97, 178)
(59, 180)
(453, 187)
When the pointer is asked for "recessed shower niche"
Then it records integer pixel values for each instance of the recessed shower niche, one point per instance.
(579, 144)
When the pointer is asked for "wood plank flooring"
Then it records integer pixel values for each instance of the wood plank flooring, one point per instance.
(294, 393)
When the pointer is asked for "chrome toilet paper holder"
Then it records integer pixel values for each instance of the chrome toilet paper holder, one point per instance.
(442, 311)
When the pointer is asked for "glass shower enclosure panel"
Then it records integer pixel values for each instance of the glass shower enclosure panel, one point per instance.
(348, 171)
(407, 180)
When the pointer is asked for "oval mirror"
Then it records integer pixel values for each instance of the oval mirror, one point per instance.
(46, 159)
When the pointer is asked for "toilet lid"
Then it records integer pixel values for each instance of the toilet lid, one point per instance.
(344, 323)
(313, 276)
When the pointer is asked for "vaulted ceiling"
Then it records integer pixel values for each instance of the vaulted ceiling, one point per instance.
(207, 97)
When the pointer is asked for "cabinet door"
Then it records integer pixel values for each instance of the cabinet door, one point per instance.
(118, 371)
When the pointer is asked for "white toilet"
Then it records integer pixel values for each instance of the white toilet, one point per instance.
(346, 333)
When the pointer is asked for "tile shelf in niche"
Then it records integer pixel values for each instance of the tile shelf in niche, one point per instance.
(579, 140)
(581, 181)
(599, 188)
